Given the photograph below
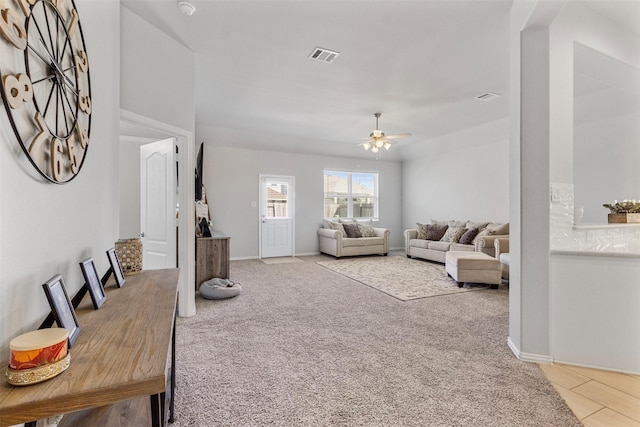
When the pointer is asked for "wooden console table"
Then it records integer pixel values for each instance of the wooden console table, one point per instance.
(212, 257)
(125, 351)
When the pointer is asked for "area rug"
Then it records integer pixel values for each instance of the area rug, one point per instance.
(400, 277)
(281, 260)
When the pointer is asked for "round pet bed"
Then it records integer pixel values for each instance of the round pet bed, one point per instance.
(219, 289)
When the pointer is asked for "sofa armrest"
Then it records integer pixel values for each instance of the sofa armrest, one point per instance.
(330, 233)
(501, 245)
(409, 234)
(381, 232)
(486, 243)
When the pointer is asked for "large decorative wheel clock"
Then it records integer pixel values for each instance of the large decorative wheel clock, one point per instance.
(46, 87)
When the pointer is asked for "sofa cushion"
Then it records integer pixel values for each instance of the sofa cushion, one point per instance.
(422, 231)
(352, 230)
(468, 236)
(479, 225)
(450, 223)
(363, 241)
(435, 232)
(439, 246)
(461, 247)
(453, 234)
(498, 229)
(419, 243)
(337, 226)
(366, 229)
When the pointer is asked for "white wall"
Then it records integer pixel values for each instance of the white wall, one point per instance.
(129, 157)
(46, 228)
(606, 166)
(157, 92)
(157, 74)
(231, 178)
(463, 175)
(541, 308)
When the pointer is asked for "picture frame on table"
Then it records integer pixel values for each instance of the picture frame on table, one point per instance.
(61, 307)
(116, 267)
(93, 283)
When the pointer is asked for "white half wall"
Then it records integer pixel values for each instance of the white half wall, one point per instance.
(46, 229)
(231, 178)
(463, 176)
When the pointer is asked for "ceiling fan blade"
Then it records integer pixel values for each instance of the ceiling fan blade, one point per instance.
(398, 135)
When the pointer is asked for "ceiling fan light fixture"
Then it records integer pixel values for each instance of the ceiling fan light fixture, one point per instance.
(379, 143)
(186, 8)
(374, 149)
(366, 145)
(386, 145)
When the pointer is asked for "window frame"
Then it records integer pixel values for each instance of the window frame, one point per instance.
(349, 196)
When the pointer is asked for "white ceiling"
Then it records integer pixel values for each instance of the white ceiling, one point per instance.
(421, 63)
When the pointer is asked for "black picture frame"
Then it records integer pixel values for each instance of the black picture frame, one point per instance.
(92, 282)
(116, 267)
(61, 307)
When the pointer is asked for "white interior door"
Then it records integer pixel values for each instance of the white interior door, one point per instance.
(277, 215)
(158, 204)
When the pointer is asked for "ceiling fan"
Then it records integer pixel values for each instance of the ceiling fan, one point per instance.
(377, 138)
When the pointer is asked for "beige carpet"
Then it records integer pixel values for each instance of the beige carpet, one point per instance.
(302, 346)
(398, 276)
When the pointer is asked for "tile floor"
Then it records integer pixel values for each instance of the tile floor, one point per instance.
(598, 398)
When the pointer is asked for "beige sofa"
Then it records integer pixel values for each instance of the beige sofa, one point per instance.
(436, 250)
(501, 246)
(334, 241)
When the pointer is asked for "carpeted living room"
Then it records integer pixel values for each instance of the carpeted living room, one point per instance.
(327, 143)
(305, 345)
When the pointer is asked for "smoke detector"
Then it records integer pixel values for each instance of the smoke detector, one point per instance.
(186, 8)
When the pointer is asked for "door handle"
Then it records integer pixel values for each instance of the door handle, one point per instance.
(142, 234)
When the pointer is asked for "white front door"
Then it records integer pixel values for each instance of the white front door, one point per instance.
(158, 204)
(276, 216)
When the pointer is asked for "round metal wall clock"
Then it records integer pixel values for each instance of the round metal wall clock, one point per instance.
(46, 87)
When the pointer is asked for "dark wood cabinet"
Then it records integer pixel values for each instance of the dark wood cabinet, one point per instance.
(212, 257)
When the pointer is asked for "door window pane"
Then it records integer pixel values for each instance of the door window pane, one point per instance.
(277, 200)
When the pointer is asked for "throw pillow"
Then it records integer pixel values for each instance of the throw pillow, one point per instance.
(481, 234)
(422, 231)
(352, 230)
(498, 229)
(468, 236)
(346, 220)
(366, 230)
(454, 223)
(452, 234)
(479, 225)
(435, 232)
(337, 226)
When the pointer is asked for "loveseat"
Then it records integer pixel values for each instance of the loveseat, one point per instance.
(348, 237)
(432, 241)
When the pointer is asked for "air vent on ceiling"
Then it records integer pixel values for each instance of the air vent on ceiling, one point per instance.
(488, 96)
(323, 55)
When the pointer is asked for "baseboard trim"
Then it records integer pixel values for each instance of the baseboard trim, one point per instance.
(528, 357)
